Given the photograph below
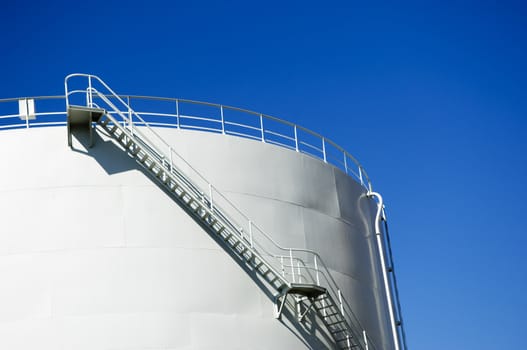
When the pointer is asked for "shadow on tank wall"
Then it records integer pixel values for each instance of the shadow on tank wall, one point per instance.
(113, 160)
(106, 153)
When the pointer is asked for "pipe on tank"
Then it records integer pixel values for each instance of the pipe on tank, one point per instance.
(380, 248)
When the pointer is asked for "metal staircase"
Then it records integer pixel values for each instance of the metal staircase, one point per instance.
(295, 274)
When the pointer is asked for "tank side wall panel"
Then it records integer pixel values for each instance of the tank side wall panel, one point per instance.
(93, 255)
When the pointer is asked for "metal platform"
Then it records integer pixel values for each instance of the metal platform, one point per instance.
(81, 118)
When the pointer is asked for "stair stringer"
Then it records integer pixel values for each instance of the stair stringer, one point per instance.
(225, 232)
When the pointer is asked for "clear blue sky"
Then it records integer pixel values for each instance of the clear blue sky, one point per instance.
(430, 97)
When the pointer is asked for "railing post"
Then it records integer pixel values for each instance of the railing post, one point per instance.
(282, 265)
(27, 113)
(298, 271)
(324, 149)
(130, 117)
(296, 140)
(360, 176)
(222, 121)
(170, 157)
(210, 197)
(365, 339)
(316, 271)
(340, 301)
(345, 162)
(251, 233)
(89, 94)
(262, 128)
(292, 264)
(177, 113)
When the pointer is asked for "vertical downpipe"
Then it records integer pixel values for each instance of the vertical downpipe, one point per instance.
(387, 288)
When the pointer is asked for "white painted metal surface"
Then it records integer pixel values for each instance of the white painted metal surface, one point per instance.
(90, 270)
(97, 205)
(198, 116)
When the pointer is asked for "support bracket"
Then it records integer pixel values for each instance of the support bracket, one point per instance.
(302, 315)
(80, 117)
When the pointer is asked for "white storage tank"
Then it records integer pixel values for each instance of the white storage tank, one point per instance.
(179, 235)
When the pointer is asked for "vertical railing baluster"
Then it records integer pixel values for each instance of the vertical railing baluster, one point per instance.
(130, 116)
(292, 264)
(298, 272)
(262, 128)
(27, 113)
(210, 197)
(345, 162)
(360, 176)
(340, 301)
(316, 271)
(222, 121)
(296, 140)
(89, 94)
(177, 114)
(170, 155)
(251, 233)
(324, 149)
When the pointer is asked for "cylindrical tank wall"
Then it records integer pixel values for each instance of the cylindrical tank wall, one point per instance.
(93, 255)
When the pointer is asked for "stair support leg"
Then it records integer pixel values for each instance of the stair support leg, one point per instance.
(302, 315)
(279, 305)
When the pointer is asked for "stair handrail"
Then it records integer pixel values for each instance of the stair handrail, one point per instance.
(186, 183)
(191, 188)
(89, 96)
(325, 272)
(226, 220)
